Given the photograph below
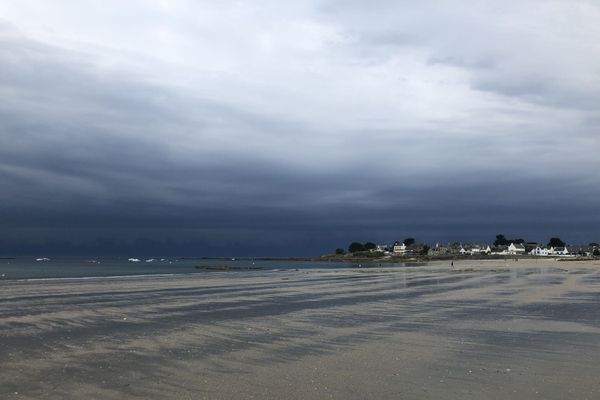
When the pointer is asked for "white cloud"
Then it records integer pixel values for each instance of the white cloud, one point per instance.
(229, 97)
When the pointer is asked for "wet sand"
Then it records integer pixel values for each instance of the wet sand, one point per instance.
(493, 330)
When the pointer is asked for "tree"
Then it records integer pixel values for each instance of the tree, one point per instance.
(425, 250)
(501, 241)
(370, 246)
(409, 241)
(339, 250)
(556, 242)
(597, 252)
(355, 247)
(593, 244)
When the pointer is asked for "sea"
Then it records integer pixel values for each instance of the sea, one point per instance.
(26, 268)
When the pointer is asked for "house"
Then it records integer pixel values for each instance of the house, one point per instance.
(454, 248)
(479, 249)
(552, 251)
(471, 249)
(581, 250)
(384, 248)
(399, 249)
(500, 250)
(516, 249)
(559, 251)
(418, 248)
(540, 251)
(530, 246)
(438, 250)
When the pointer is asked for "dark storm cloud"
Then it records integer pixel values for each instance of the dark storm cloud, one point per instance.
(107, 138)
(343, 123)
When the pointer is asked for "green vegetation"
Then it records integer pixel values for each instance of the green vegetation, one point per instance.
(367, 249)
(556, 242)
(501, 240)
(340, 251)
(356, 247)
(370, 246)
(368, 254)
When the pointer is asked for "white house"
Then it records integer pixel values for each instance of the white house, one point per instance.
(559, 251)
(500, 251)
(540, 251)
(383, 248)
(481, 249)
(516, 248)
(474, 249)
(399, 249)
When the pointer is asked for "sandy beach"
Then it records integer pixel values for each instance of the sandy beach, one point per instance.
(480, 330)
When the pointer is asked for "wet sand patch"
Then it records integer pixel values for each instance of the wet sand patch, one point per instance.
(417, 332)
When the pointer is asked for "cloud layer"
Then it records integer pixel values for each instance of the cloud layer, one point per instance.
(270, 128)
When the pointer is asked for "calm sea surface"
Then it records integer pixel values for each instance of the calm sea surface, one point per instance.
(78, 267)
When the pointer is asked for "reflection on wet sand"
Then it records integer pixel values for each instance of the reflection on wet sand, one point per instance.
(498, 330)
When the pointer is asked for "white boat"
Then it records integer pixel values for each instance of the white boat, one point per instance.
(133, 259)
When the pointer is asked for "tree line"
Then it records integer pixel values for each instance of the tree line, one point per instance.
(356, 247)
(501, 240)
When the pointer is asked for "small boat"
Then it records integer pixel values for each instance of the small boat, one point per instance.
(42, 259)
(133, 259)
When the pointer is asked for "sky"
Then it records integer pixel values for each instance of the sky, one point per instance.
(292, 128)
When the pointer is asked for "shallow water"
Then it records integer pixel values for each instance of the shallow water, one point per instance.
(77, 267)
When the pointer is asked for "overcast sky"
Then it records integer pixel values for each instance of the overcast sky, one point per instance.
(272, 127)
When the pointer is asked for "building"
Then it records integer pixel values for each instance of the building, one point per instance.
(530, 246)
(559, 251)
(384, 248)
(582, 250)
(399, 249)
(500, 250)
(552, 251)
(477, 249)
(417, 248)
(540, 251)
(516, 249)
(454, 248)
(438, 250)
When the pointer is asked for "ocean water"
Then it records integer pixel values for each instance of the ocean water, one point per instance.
(80, 267)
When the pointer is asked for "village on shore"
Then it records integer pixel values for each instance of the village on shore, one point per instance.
(501, 247)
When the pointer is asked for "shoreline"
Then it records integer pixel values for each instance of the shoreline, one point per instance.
(81, 273)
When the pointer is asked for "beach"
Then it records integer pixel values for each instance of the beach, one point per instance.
(493, 329)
